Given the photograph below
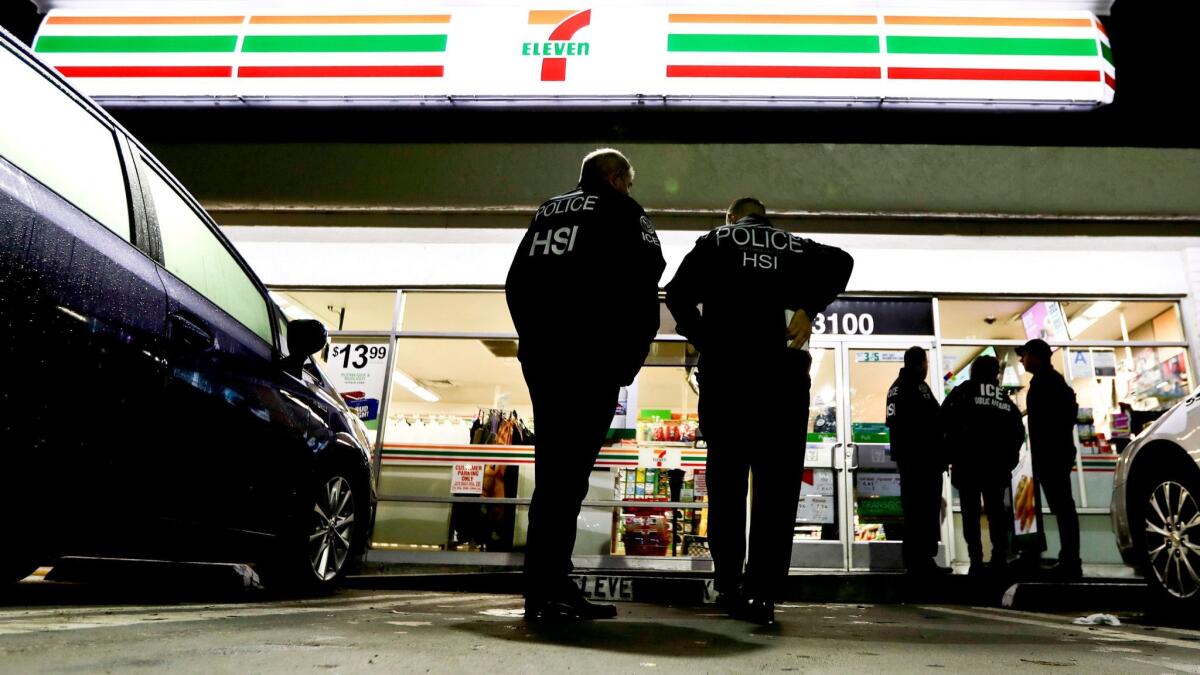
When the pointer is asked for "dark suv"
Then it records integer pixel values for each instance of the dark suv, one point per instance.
(154, 401)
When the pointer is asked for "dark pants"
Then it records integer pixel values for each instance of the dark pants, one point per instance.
(572, 412)
(765, 437)
(921, 499)
(991, 490)
(1054, 479)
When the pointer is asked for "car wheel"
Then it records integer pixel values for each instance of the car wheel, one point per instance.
(327, 537)
(1169, 517)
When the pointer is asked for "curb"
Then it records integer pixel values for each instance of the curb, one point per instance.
(865, 588)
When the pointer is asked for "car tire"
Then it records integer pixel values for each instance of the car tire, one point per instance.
(1166, 527)
(327, 536)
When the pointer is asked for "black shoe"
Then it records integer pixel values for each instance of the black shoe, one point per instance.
(761, 612)
(1027, 563)
(732, 603)
(572, 607)
(1065, 571)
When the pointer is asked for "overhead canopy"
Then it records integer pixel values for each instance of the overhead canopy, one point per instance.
(699, 54)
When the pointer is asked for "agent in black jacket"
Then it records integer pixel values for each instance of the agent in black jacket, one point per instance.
(984, 433)
(1053, 412)
(583, 295)
(753, 387)
(916, 440)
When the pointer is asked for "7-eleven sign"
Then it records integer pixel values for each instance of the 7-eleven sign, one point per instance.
(556, 49)
(660, 458)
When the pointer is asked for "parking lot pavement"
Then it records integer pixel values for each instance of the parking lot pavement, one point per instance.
(47, 627)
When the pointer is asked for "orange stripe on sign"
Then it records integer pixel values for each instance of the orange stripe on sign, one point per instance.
(141, 20)
(352, 19)
(550, 17)
(984, 21)
(813, 19)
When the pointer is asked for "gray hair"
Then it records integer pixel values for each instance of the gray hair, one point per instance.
(746, 206)
(599, 164)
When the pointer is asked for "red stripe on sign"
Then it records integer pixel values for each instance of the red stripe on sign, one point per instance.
(1112, 84)
(993, 74)
(341, 71)
(1100, 27)
(800, 72)
(146, 71)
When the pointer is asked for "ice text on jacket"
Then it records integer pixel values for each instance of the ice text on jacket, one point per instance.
(990, 394)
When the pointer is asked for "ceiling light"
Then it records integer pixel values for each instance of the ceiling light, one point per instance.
(1089, 316)
(410, 384)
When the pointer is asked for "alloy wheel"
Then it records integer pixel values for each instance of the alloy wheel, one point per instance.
(1173, 539)
(330, 537)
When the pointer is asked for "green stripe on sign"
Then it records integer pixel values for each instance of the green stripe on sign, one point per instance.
(1106, 51)
(838, 44)
(899, 44)
(137, 43)
(344, 43)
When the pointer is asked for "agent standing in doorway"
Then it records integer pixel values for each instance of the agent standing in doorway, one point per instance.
(1053, 412)
(916, 440)
(984, 434)
(753, 387)
(583, 294)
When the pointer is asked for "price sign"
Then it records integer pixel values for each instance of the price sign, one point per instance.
(876, 316)
(357, 371)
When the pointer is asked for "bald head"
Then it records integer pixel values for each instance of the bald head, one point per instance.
(607, 166)
(746, 206)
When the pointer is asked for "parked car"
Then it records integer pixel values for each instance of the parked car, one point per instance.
(155, 403)
(1156, 505)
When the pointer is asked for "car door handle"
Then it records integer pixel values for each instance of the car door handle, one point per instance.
(191, 333)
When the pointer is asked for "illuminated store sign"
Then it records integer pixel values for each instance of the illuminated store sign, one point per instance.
(709, 54)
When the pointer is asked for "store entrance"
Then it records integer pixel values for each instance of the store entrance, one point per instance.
(849, 516)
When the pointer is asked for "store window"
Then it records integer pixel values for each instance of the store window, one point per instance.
(1126, 360)
(340, 310)
(1060, 320)
(458, 425)
(456, 312)
(59, 142)
(194, 254)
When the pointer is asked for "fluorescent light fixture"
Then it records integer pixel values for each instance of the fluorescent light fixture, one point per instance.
(410, 384)
(1089, 316)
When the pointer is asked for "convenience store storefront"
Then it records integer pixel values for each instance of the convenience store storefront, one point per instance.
(451, 497)
(405, 266)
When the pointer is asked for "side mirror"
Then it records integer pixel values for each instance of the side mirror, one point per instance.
(305, 337)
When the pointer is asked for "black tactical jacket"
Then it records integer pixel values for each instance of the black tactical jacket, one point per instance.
(583, 286)
(745, 275)
(982, 428)
(912, 419)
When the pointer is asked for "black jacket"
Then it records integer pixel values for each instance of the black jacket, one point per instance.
(745, 275)
(912, 419)
(583, 286)
(1052, 411)
(982, 429)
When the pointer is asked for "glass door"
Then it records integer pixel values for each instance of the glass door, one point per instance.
(872, 516)
(818, 540)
